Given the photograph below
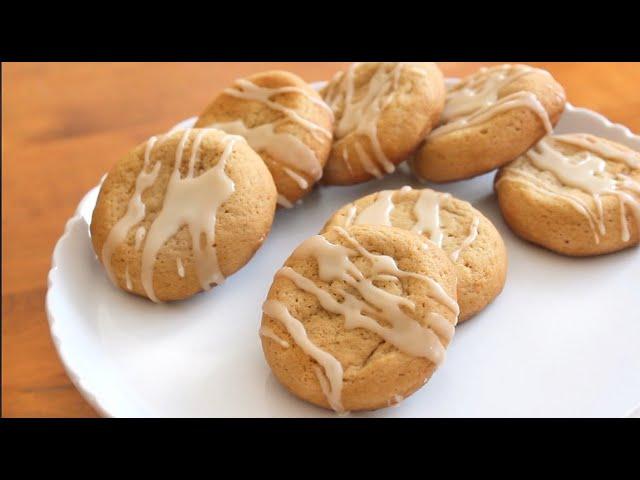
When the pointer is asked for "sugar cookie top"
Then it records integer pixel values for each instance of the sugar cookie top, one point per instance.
(445, 220)
(490, 118)
(583, 171)
(494, 90)
(342, 293)
(382, 112)
(284, 120)
(173, 205)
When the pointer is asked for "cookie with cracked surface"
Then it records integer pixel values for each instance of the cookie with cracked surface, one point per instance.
(464, 233)
(574, 194)
(284, 120)
(181, 212)
(489, 119)
(359, 318)
(382, 113)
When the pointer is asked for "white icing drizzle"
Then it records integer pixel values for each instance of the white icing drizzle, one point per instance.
(180, 267)
(302, 183)
(327, 390)
(127, 278)
(351, 215)
(332, 384)
(250, 91)
(606, 150)
(282, 147)
(365, 160)
(135, 209)
(269, 333)
(379, 212)
(473, 234)
(477, 99)
(427, 213)
(345, 159)
(193, 202)
(585, 171)
(395, 400)
(330, 92)
(284, 202)
(140, 233)
(426, 210)
(624, 225)
(360, 117)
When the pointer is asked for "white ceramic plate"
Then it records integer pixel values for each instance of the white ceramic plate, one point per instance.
(563, 339)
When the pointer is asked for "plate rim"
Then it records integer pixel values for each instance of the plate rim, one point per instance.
(94, 398)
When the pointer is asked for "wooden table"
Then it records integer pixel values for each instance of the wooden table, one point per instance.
(65, 124)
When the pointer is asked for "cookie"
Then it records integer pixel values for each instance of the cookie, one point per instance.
(284, 120)
(382, 113)
(489, 119)
(574, 194)
(181, 212)
(359, 319)
(469, 239)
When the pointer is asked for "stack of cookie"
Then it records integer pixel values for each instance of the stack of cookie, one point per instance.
(374, 299)
(360, 315)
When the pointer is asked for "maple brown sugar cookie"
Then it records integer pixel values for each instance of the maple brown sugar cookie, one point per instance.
(489, 119)
(382, 113)
(284, 120)
(359, 318)
(469, 239)
(181, 212)
(575, 194)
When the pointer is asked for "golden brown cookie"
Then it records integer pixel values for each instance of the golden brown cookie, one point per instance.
(468, 237)
(181, 212)
(284, 120)
(575, 194)
(359, 319)
(489, 119)
(382, 113)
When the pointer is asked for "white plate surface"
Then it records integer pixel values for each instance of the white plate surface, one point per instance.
(563, 339)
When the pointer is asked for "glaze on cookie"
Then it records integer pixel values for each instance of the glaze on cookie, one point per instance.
(575, 194)
(359, 318)
(382, 113)
(181, 212)
(284, 120)
(489, 119)
(467, 236)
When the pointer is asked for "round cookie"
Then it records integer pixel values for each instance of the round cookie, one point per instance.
(382, 113)
(489, 119)
(149, 213)
(284, 120)
(359, 319)
(466, 235)
(574, 194)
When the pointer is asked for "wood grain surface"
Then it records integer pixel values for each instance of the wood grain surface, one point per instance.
(65, 124)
